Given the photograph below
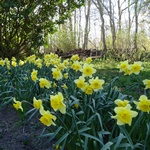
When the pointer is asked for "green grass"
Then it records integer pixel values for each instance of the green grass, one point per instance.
(131, 85)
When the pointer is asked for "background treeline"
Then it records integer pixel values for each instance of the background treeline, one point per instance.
(118, 27)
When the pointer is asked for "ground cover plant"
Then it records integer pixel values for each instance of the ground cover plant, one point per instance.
(79, 105)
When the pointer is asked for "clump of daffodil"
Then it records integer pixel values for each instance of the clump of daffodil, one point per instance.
(44, 83)
(143, 104)
(124, 115)
(137, 67)
(130, 68)
(76, 66)
(47, 118)
(146, 83)
(61, 66)
(96, 83)
(34, 75)
(47, 58)
(121, 103)
(17, 104)
(57, 103)
(75, 57)
(31, 59)
(37, 103)
(38, 63)
(80, 83)
(56, 73)
(88, 70)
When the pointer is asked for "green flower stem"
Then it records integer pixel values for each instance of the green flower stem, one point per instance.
(76, 129)
(60, 119)
(136, 123)
(127, 135)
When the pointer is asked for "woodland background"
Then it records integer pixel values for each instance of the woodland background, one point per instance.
(120, 28)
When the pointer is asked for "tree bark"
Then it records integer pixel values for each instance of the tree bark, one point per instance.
(112, 24)
(129, 25)
(100, 8)
(136, 24)
(86, 31)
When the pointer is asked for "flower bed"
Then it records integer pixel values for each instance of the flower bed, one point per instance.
(78, 110)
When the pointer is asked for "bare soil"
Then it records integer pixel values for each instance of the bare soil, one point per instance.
(17, 136)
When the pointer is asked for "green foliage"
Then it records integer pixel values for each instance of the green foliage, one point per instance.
(124, 46)
(87, 125)
(129, 85)
(63, 39)
(24, 23)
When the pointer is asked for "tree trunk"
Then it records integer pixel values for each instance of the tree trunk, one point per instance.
(86, 31)
(129, 25)
(79, 29)
(136, 24)
(100, 8)
(119, 15)
(112, 24)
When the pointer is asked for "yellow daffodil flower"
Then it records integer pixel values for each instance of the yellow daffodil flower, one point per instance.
(17, 105)
(58, 147)
(31, 59)
(121, 103)
(47, 118)
(44, 83)
(2, 62)
(143, 104)
(13, 59)
(88, 60)
(21, 63)
(80, 82)
(124, 115)
(136, 67)
(66, 62)
(56, 102)
(54, 85)
(34, 75)
(14, 63)
(96, 83)
(61, 66)
(64, 86)
(56, 74)
(88, 70)
(88, 89)
(76, 105)
(123, 66)
(128, 70)
(7, 63)
(66, 75)
(146, 83)
(37, 103)
(76, 66)
(75, 57)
